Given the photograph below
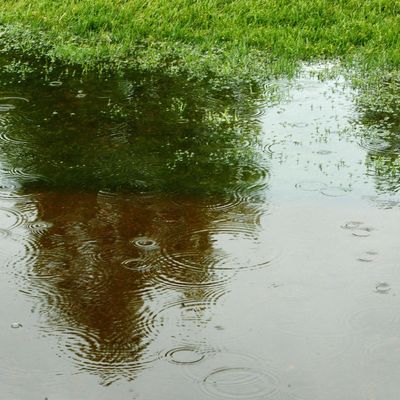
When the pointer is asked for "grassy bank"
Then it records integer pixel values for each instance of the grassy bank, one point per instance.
(238, 38)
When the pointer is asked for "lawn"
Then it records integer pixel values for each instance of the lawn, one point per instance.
(245, 39)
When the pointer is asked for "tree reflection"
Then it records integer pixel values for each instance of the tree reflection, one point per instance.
(133, 177)
(112, 271)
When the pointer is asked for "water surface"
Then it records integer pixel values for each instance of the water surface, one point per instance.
(166, 239)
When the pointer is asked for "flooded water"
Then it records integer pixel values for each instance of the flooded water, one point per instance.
(162, 239)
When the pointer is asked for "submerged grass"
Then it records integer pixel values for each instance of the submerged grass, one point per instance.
(244, 39)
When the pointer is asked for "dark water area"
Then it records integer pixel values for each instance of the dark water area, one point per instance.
(167, 239)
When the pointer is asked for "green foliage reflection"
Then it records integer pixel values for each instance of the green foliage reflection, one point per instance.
(137, 133)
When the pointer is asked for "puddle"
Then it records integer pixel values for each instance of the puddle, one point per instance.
(154, 229)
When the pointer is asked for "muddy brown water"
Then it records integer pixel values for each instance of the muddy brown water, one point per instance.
(161, 239)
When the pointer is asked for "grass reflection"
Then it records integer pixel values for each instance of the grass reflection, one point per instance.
(379, 107)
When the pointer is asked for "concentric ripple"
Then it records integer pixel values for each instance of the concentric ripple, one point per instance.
(234, 375)
(25, 176)
(18, 98)
(9, 191)
(220, 249)
(367, 256)
(376, 143)
(113, 361)
(145, 243)
(13, 370)
(184, 355)
(10, 218)
(7, 187)
(107, 195)
(382, 288)
(4, 233)
(222, 203)
(25, 253)
(358, 228)
(277, 148)
(311, 186)
(142, 264)
(38, 227)
(334, 191)
(375, 320)
(178, 273)
(383, 349)
(92, 250)
(187, 318)
(4, 107)
(239, 383)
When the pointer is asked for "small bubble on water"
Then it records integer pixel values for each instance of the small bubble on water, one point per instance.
(382, 288)
(367, 256)
(55, 83)
(275, 285)
(361, 232)
(324, 152)
(145, 243)
(365, 259)
(352, 225)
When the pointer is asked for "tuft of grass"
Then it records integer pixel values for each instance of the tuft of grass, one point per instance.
(238, 39)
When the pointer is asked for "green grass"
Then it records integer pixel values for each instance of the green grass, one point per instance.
(237, 38)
